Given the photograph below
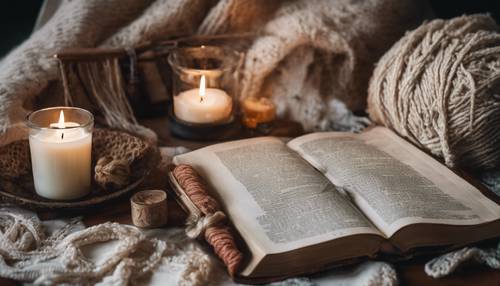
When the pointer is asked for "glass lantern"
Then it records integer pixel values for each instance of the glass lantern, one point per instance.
(205, 90)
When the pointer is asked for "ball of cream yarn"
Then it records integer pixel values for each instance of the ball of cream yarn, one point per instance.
(439, 87)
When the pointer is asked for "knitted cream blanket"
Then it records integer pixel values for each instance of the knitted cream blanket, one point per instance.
(312, 55)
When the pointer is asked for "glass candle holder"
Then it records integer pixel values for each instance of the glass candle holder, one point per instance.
(258, 114)
(60, 140)
(204, 85)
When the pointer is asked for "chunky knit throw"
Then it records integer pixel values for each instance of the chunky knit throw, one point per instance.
(310, 56)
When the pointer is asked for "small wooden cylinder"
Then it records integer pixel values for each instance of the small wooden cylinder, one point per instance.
(149, 208)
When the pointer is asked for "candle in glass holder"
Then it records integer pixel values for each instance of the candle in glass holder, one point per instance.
(257, 111)
(61, 152)
(203, 105)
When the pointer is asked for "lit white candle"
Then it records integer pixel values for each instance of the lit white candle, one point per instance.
(61, 160)
(203, 105)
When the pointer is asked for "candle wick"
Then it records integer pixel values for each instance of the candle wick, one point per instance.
(62, 136)
(201, 98)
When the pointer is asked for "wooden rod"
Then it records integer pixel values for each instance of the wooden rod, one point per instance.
(91, 54)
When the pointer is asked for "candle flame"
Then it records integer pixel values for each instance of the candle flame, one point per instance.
(61, 124)
(202, 88)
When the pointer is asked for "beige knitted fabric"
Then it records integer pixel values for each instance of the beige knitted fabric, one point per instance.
(313, 52)
(342, 39)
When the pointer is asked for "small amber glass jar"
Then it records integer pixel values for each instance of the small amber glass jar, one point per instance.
(258, 113)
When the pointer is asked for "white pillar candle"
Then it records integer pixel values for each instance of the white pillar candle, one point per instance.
(61, 160)
(203, 105)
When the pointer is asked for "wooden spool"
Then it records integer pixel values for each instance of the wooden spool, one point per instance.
(149, 208)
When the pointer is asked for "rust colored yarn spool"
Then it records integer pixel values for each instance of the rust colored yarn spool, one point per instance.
(212, 224)
(149, 209)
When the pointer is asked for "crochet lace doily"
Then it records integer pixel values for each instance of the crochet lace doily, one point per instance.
(447, 263)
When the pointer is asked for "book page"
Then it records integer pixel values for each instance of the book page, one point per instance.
(393, 182)
(274, 197)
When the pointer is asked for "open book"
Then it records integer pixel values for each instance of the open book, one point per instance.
(327, 198)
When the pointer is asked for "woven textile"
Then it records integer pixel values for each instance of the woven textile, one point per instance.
(308, 55)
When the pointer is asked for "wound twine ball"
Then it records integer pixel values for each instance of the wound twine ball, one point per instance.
(439, 87)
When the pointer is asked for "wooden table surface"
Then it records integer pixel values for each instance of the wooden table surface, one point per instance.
(409, 272)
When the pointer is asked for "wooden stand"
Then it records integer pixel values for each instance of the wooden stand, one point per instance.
(149, 209)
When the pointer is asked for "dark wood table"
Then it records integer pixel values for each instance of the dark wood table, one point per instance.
(409, 272)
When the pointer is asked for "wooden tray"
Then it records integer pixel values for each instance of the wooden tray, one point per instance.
(28, 198)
